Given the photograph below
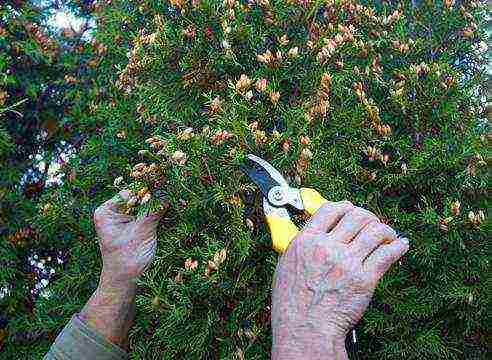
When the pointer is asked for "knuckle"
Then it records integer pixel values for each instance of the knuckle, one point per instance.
(326, 207)
(387, 231)
(363, 214)
(97, 214)
(379, 229)
(345, 204)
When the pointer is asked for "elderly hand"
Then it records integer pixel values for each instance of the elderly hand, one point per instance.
(127, 243)
(326, 278)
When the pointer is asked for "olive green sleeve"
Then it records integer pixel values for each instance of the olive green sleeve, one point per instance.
(77, 341)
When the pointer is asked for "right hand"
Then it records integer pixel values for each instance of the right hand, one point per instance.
(325, 279)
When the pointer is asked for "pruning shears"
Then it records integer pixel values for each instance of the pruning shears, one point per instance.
(277, 197)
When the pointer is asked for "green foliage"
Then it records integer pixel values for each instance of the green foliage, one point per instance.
(34, 130)
(377, 105)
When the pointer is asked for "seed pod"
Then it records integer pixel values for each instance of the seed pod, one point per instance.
(283, 40)
(304, 140)
(293, 52)
(118, 181)
(190, 264)
(455, 208)
(179, 158)
(146, 198)
(274, 96)
(261, 85)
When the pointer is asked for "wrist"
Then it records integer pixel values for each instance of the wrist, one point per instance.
(115, 284)
(111, 308)
(308, 343)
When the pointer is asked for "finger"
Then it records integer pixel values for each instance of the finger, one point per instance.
(149, 254)
(384, 256)
(328, 215)
(150, 219)
(351, 224)
(371, 237)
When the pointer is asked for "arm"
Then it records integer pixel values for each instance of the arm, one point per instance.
(325, 280)
(127, 247)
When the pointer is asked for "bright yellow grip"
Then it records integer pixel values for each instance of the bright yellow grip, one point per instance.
(282, 230)
(312, 200)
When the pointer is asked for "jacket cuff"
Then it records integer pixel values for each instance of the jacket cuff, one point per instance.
(77, 341)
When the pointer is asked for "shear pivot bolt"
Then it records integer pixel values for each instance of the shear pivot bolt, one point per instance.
(276, 196)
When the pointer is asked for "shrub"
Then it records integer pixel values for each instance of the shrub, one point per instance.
(375, 102)
(34, 132)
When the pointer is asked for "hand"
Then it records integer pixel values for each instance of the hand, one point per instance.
(127, 243)
(127, 247)
(326, 278)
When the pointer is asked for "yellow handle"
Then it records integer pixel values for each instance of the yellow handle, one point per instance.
(312, 200)
(282, 230)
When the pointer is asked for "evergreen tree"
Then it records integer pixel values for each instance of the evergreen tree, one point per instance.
(35, 131)
(377, 102)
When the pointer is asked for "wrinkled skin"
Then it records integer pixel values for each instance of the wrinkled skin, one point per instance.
(127, 243)
(325, 280)
(127, 247)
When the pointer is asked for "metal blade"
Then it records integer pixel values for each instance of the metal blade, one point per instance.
(264, 175)
(274, 173)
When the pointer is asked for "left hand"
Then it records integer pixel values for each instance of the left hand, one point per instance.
(127, 243)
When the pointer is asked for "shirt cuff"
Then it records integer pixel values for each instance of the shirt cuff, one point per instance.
(77, 341)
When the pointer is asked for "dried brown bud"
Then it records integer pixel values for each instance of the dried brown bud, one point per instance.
(146, 198)
(306, 154)
(215, 105)
(274, 97)
(186, 134)
(305, 140)
(179, 158)
(456, 208)
(220, 257)
(243, 83)
(250, 224)
(189, 32)
(293, 52)
(261, 85)
(283, 40)
(286, 146)
(448, 3)
(190, 264)
(139, 167)
(266, 58)
(253, 126)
